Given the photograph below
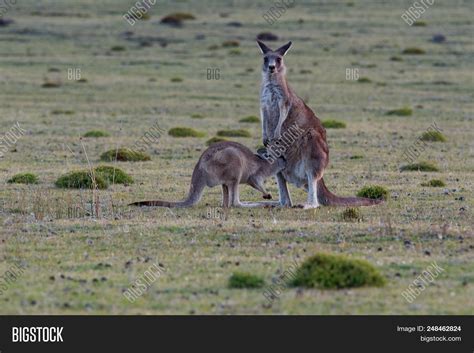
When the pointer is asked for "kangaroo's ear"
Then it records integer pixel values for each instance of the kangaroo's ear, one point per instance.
(282, 50)
(263, 48)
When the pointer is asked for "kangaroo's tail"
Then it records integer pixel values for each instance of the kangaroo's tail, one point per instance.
(195, 192)
(327, 198)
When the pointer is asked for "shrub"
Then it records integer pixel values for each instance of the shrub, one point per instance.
(422, 167)
(356, 156)
(373, 192)
(181, 16)
(51, 84)
(230, 43)
(23, 178)
(80, 180)
(420, 24)
(96, 133)
(124, 155)
(214, 140)
(364, 80)
(62, 112)
(433, 136)
(118, 48)
(328, 271)
(250, 119)
(185, 132)
(333, 124)
(435, 183)
(351, 214)
(176, 19)
(405, 111)
(234, 133)
(113, 175)
(267, 36)
(413, 51)
(245, 280)
(176, 79)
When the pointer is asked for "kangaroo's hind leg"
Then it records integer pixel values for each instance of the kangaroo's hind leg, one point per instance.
(225, 196)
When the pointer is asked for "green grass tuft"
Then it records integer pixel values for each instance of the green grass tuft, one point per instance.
(405, 111)
(245, 280)
(214, 140)
(124, 155)
(420, 24)
(113, 175)
(23, 178)
(235, 52)
(396, 58)
(373, 192)
(234, 133)
(176, 79)
(422, 167)
(231, 44)
(96, 133)
(433, 136)
(328, 271)
(250, 119)
(63, 112)
(185, 132)
(351, 214)
(118, 48)
(356, 156)
(413, 51)
(364, 80)
(333, 124)
(197, 116)
(80, 180)
(435, 183)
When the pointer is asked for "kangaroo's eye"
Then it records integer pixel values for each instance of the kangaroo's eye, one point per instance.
(265, 60)
(278, 60)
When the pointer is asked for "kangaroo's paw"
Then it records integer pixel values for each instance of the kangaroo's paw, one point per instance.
(267, 196)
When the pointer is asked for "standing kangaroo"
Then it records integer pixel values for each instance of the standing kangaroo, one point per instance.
(228, 164)
(281, 109)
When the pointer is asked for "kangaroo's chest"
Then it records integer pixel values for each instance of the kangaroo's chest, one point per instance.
(272, 98)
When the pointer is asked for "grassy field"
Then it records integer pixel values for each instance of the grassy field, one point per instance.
(136, 76)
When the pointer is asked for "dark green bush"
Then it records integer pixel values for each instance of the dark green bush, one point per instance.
(23, 178)
(124, 155)
(422, 167)
(328, 271)
(250, 119)
(245, 280)
(113, 175)
(80, 180)
(373, 192)
(333, 124)
(435, 183)
(185, 132)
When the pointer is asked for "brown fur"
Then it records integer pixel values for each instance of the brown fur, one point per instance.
(228, 164)
(307, 158)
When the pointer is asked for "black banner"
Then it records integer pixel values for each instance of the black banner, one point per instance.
(265, 333)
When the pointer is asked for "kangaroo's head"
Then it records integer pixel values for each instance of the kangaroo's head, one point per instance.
(273, 59)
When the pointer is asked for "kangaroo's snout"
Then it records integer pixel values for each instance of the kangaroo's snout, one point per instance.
(271, 68)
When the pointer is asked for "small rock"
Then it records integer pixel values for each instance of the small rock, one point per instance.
(438, 38)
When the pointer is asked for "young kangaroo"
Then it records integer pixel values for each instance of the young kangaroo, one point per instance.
(280, 110)
(228, 164)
